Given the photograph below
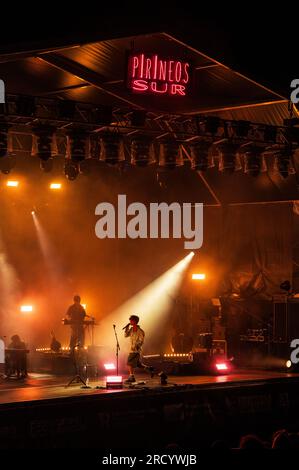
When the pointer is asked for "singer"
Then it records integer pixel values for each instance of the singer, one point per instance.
(136, 335)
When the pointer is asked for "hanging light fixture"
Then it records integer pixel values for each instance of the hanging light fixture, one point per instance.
(7, 158)
(170, 155)
(43, 141)
(254, 163)
(78, 145)
(283, 161)
(112, 149)
(3, 139)
(228, 158)
(200, 159)
(71, 170)
(141, 151)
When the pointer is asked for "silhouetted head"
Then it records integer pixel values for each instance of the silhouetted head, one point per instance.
(134, 319)
(77, 299)
(16, 338)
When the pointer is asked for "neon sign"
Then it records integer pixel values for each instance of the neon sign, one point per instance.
(152, 74)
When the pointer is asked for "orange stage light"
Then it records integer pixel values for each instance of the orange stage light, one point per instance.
(26, 308)
(55, 186)
(12, 184)
(198, 277)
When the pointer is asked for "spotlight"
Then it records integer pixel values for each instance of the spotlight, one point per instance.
(200, 155)
(198, 277)
(42, 141)
(114, 381)
(288, 364)
(283, 161)
(7, 164)
(32, 212)
(222, 367)
(77, 144)
(55, 186)
(71, 170)
(26, 308)
(109, 366)
(111, 148)
(163, 378)
(46, 165)
(253, 160)
(12, 184)
(3, 139)
(170, 155)
(141, 151)
(228, 152)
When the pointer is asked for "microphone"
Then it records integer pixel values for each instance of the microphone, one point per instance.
(126, 326)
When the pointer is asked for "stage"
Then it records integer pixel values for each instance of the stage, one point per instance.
(41, 412)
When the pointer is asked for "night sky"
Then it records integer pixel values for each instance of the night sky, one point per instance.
(258, 43)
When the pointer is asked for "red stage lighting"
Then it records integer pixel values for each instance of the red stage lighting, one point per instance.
(114, 381)
(222, 367)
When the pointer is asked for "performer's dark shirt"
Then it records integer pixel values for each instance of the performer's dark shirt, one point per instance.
(76, 313)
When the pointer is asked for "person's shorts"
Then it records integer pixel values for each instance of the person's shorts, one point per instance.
(134, 359)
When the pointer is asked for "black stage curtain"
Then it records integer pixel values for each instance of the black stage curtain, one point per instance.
(255, 248)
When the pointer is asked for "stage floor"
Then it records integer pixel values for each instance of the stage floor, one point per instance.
(39, 387)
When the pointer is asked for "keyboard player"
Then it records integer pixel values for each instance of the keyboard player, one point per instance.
(76, 314)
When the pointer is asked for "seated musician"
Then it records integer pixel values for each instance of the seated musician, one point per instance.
(76, 314)
(16, 361)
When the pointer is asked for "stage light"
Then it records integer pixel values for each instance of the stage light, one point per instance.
(221, 366)
(3, 139)
(12, 184)
(141, 151)
(46, 165)
(26, 308)
(55, 186)
(84, 306)
(111, 148)
(170, 155)
(32, 212)
(114, 381)
(43, 145)
(78, 145)
(198, 277)
(253, 160)
(288, 364)
(228, 158)
(71, 170)
(200, 155)
(283, 161)
(109, 366)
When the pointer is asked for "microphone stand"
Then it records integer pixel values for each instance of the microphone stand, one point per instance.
(117, 349)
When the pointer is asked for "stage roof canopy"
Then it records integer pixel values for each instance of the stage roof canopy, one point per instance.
(96, 72)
